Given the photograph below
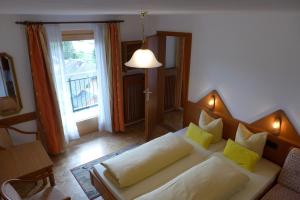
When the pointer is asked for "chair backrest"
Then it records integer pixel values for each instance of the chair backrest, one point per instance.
(5, 139)
(8, 192)
(290, 172)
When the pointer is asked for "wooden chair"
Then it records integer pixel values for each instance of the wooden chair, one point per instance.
(50, 193)
(24, 161)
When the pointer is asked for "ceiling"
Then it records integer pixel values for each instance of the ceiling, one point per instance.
(83, 7)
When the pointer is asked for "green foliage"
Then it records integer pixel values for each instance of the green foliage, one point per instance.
(70, 53)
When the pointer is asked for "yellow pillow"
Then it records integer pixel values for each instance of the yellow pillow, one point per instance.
(241, 155)
(199, 136)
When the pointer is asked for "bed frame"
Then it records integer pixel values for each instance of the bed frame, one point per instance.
(278, 143)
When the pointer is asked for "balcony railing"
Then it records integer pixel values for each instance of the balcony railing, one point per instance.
(83, 93)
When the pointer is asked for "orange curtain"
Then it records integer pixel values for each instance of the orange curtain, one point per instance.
(116, 78)
(46, 102)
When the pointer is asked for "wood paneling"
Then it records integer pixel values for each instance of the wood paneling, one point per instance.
(277, 147)
(134, 99)
(18, 119)
(170, 87)
(287, 130)
(128, 48)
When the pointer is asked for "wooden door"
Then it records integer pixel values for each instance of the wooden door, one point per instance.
(151, 80)
(134, 102)
(173, 81)
(170, 81)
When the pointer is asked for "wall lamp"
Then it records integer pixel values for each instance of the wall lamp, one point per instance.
(212, 102)
(277, 125)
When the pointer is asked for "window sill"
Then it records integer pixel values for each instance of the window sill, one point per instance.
(85, 114)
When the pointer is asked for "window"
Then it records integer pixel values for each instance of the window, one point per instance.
(80, 70)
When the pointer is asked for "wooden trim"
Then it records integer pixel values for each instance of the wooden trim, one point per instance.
(17, 130)
(186, 57)
(186, 68)
(134, 99)
(101, 188)
(161, 77)
(77, 35)
(287, 130)
(18, 119)
(172, 33)
(277, 147)
(135, 122)
(68, 22)
(219, 107)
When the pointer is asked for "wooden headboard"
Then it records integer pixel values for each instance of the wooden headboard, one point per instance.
(278, 143)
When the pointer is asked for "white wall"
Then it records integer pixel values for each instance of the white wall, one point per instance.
(131, 28)
(252, 59)
(13, 42)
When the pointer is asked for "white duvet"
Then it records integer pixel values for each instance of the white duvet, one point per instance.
(147, 159)
(213, 179)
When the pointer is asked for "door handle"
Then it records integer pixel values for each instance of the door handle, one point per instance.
(147, 93)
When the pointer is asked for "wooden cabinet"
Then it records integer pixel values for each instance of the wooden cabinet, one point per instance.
(128, 48)
(134, 99)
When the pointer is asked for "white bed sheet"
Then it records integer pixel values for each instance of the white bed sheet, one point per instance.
(198, 155)
(261, 179)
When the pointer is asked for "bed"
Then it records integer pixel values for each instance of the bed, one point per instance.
(259, 181)
(198, 155)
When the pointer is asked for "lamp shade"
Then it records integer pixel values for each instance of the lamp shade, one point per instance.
(143, 58)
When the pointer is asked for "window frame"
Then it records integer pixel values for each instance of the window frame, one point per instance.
(75, 35)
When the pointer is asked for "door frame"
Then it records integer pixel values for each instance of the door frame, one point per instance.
(186, 68)
(150, 107)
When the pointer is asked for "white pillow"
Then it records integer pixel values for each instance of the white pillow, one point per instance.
(211, 125)
(253, 141)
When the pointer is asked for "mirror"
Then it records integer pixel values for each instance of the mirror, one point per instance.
(172, 51)
(172, 81)
(10, 102)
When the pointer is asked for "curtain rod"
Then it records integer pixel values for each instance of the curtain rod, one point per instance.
(72, 22)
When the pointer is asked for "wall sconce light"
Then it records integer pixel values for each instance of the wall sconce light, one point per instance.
(212, 102)
(277, 125)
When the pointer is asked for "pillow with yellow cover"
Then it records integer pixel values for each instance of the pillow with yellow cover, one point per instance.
(241, 155)
(199, 136)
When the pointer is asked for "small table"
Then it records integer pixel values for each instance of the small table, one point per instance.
(26, 161)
